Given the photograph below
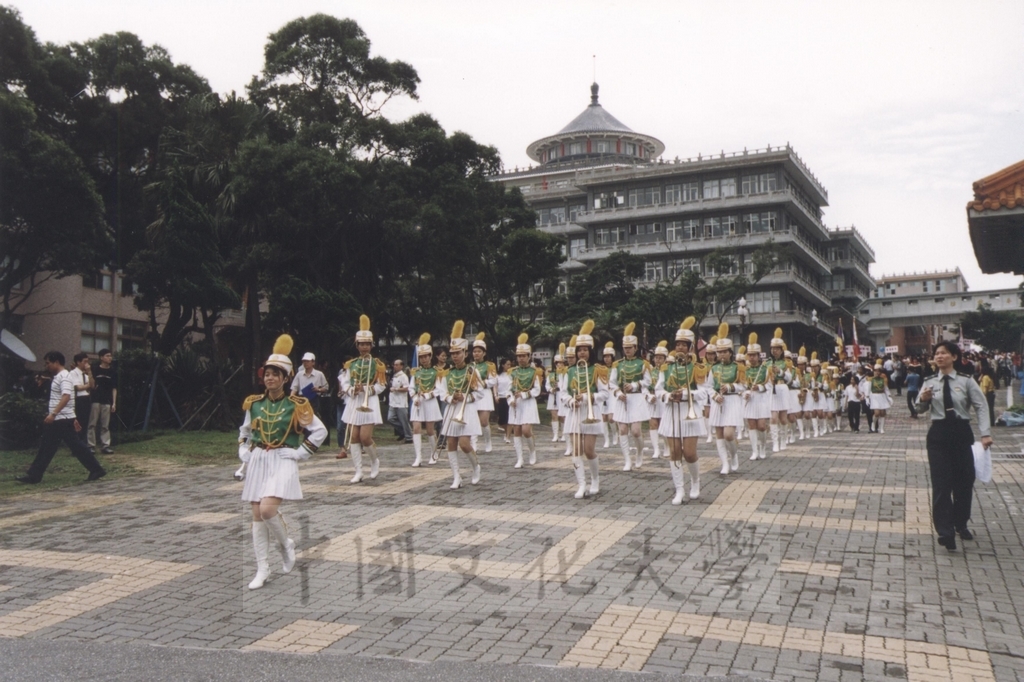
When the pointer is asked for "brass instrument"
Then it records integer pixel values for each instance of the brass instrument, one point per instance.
(691, 413)
(365, 407)
(590, 419)
(460, 417)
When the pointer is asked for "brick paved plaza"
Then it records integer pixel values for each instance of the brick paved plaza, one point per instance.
(817, 563)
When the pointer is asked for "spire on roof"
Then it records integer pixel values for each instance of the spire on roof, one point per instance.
(593, 95)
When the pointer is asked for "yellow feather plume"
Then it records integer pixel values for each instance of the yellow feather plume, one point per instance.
(723, 330)
(688, 322)
(610, 344)
(561, 349)
(629, 329)
(778, 332)
(803, 351)
(364, 323)
(587, 328)
(742, 351)
(714, 339)
(752, 339)
(457, 329)
(283, 345)
(523, 338)
(814, 355)
(424, 339)
(663, 344)
(572, 342)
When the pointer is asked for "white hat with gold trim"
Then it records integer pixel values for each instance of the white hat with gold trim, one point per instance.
(523, 348)
(777, 339)
(627, 336)
(801, 357)
(479, 342)
(570, 350)
(279, 357)
(815, 362)
(609, 348)
(685, 331)
(724, 342)
(752, 345)
(457, 342)
(364, 334)
(560, 355)
(584, 338)
(424, 347)
(661, 348)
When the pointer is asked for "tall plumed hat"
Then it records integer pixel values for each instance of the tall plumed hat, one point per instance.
(457, 342)
(479, 342)
(570, 350)
(741, 355)
(627, 336)
(801, 357)
(787, 353)
(560, 355)
(522, 347)
(815, 362)
(424, 347)
(777, 339)
(712, 346)
(752, 345)
(279, 357)
(364, 333)
(584, 338)
(661, 348)
(724, 342)
(878, 363)
(609, 348)
(685, 331)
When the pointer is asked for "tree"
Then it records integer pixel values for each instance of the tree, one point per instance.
(728, 284)
(51, 217)
(994, 329)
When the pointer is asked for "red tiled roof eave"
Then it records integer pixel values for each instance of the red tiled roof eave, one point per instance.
(1002, 189)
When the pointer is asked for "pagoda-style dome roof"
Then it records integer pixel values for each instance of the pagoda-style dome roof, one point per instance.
(596, 134)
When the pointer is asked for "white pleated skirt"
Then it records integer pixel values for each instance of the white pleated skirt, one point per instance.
(486, 403)
(524, 412)
(759, 406)
(634, 409)
(780, 399)
(427, 411)
(730, 412)
(573, 422)
(269, 475)
(674, 423)
(830, 404)
(353, 416)
(794, 401)
(470, 428)
(880, 401)
(607, 407)
(552, 402)
(657, 409)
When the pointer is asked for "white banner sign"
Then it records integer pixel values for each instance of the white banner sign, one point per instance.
(892, 349)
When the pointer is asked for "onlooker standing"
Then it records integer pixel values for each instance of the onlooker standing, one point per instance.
(853, 400)
(311, 383)
(104, 401)
(913, 386)
(503, 388)
(81, 379)
(864, 386)
(398, 402)
(59, 425)
(988, 387)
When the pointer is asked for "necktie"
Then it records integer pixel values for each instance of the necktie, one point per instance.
(947, 399)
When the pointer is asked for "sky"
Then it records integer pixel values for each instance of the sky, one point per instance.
(896, 107)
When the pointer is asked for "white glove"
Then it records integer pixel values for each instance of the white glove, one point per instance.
(244, 453)
(293, 453)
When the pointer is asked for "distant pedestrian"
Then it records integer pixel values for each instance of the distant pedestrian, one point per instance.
(60, 426)
(81, 378)
(311, 384)
(988, 387)
(398, 402)
(104, 401)
(913, 387)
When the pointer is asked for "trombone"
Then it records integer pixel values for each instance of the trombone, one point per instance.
(582, 364)
(467, 386)
(365, 407)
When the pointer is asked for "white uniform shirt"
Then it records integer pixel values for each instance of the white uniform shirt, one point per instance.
(302, 380)
(504, 384)
(399, 399)
(852, 394)
(78, 379)
(60, 386)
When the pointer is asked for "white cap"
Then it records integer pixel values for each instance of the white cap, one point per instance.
(309, 356)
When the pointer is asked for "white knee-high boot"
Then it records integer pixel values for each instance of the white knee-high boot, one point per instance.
(606, 428)
(533, 449)
(595, 476)
(638, 443)
(517, 443)
(624, 448)
(487, 437)
(755, 444)
(774, 428)
(581, 481)
(356, 453)
(814, 426)
(277, 526)
(473, 440)
(655, 444)
(723, 454)
(881, 424)
(615, 432)
(554, 430)
(568, 445)
(417, 446)
(711, 431)
(453, 460)
(374, 461)
(676, 469)
(800, 425)
(475, 461)
(694, 468)
(731, 446)
(432, 442)
(260, 546)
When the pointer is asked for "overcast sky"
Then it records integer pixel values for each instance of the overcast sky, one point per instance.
(897, 107)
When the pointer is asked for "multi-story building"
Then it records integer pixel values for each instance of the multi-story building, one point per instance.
(605, 188)
(938, 282)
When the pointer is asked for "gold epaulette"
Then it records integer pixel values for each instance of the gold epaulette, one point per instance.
(349, 363)
(615, 365)
(247, 403)
(303, 414)
(441, 373)
(492, 369)
(700, 372)
(647, 366)
(601, 372)
(741, 374)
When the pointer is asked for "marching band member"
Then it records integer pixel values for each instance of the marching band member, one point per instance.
(522, 402)
(425, 411)
(757, 409)
(278, 431)
(680, 392)
(554, 379)
(461, 388)
(778, 377)
(583, 386)
(365, 380)
(815, 403)
(728, 383)
(630, 378)
(488, 373)
(864, 386)
(798, 393)
(563, 408)
(655, 405)
(711, 408)
(608, 406)
(880, 400)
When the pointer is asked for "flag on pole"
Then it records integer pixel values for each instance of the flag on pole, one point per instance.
(856, 344)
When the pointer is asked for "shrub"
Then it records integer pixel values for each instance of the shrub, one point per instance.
(21, 421)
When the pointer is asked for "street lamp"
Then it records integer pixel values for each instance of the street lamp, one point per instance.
(744, 314)
(814, 317)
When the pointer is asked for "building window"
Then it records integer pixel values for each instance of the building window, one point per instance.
(691, 191)
(711, 189)
(925, 284)
(95, 333)
(938, 286)
(733, 267)
(131, 335)
(608, 236)
(679, 266)
(577, 244)
(654, 271)
(727, 187)
(563, 285)
(613, 200)
(603, 147)
(648, 196)
(629, 148)
(575, 148)
(575, 211)
(673, 194)
(99, 281)
(763, 302)
(647, 228)
(551, 216)
(713, 227)
(758, 184)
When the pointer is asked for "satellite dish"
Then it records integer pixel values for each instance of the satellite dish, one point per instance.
(16, 346)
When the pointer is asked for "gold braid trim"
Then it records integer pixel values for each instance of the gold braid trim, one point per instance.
(601, 372)
(248, 402)
(303, 414)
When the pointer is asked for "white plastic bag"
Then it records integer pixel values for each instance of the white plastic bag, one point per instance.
(982, 463)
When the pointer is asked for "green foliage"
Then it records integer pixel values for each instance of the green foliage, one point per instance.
(994, 329)
(21, 421)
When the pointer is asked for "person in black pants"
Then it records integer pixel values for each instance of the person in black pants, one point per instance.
(853, 401)
(913, 388)
(948, 397)
(59, 426)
